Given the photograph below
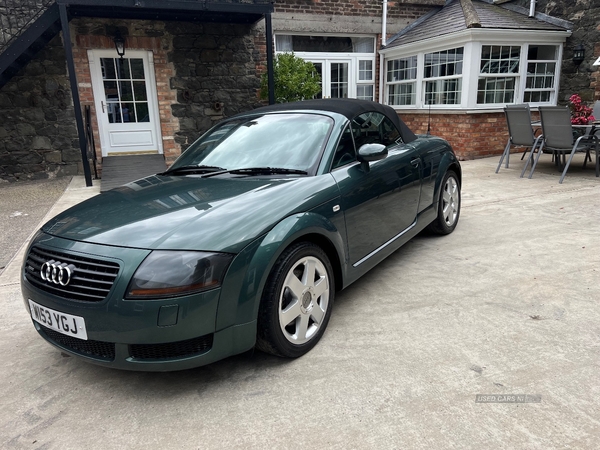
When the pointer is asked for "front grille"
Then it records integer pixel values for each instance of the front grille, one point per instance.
(91, 281)
(95, 349)
(171, 350)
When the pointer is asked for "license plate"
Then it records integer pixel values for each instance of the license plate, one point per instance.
(58, 321)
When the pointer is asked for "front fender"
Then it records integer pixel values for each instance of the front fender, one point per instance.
(247, 276)
(448, 162)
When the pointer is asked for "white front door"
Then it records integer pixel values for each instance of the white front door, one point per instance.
(126, 102)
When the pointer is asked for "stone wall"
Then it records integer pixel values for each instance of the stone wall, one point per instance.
(38, 136)
(16, 14)
(217, 70)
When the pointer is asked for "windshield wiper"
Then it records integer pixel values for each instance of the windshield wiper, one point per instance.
(209, 171)
(267, 171)
(193, 169)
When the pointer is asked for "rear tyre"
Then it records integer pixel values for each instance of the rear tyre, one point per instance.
(296, 302)
(448, 205)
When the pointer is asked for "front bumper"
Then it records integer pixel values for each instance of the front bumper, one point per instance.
(150, 335)
(157, 357)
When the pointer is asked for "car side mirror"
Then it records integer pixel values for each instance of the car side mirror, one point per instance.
(371, 152)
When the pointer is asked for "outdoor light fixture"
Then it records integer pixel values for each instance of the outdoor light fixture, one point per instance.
(119, 45)
(578, 54)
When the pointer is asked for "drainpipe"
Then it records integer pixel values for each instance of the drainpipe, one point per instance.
(384, 24)
(532, 8)
(381, 78)
(383, 42)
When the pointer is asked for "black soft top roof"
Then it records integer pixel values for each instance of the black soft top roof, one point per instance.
(347, 107)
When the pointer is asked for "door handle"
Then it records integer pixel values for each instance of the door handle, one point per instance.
(103, 105)
(415, 162)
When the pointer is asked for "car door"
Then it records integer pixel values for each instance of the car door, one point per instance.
(381, 202)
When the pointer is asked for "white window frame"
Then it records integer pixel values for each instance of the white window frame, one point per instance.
(515, 76)
(367, 81)
(554, 90)
(352, 58)
(401, 82)
(441, 79)
(472, 41)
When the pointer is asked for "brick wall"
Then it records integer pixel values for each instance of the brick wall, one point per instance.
(472, 136)
(371, 8)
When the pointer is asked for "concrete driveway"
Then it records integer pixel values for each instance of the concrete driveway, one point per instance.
(509, 304)
(22, 207)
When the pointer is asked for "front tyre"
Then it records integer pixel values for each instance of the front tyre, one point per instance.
(448, 205)
(296, 302)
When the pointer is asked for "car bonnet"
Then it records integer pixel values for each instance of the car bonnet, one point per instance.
(190, 213)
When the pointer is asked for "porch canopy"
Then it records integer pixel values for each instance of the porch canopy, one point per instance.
(223, 11)
(216, 11)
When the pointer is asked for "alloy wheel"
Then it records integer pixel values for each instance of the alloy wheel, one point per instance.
(450, 199)
(304, 300)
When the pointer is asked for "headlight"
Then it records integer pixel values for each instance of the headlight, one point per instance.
(173, 273)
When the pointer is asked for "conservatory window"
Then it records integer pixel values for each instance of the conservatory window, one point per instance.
(442, 73)
(540, 84)
(402, 81)
(499, 71)
(481, 75)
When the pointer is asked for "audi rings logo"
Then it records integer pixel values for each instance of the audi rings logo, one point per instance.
(57, 272)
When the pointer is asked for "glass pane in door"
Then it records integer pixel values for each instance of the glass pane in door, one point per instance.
(319, 69)
(124, 81)
(339, 80)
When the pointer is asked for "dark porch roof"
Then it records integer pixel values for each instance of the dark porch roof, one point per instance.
(19, 46)
(225, 11)
(459, 15)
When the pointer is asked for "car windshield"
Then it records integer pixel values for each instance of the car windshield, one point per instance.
(285, 140)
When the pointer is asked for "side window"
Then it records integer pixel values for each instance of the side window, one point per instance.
(389, 133)
(344, 153)
(373, 127)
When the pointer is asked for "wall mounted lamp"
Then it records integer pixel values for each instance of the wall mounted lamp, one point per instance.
(119, 45)
(578, 54)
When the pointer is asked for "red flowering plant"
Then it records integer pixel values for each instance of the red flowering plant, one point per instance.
(580, 113)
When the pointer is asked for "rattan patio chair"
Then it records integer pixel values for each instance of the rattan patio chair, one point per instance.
(520, 132)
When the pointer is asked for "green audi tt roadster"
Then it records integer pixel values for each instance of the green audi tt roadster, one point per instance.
(243, 242)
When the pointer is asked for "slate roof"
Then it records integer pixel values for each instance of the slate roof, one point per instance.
(451, 19)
